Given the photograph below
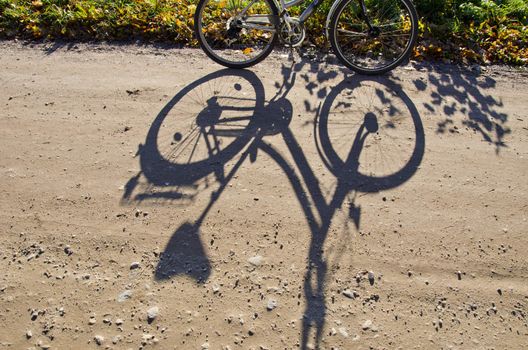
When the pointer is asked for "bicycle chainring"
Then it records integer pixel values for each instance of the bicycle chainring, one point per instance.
(292, 37)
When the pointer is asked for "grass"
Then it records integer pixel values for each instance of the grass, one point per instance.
(482, 31)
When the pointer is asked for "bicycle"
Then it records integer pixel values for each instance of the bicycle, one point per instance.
(368, 36)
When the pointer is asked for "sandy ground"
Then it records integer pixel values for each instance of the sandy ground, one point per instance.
(150, 199)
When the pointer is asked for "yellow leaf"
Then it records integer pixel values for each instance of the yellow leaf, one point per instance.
(247, 51)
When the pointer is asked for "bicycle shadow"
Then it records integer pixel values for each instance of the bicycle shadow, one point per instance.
(179, 180)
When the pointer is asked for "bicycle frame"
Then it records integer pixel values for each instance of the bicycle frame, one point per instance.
(306, 13)
(284, 5)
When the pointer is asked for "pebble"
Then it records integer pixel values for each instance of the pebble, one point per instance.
(134, 265)
(366, 325)
(34, 315)
(371, 277)
(127, 294)
(352, 294)
(152, 313)
(92, 321)
(119, 322)
(68, 250)
(99, 339)
(255, 260)
(147, 338)
(205, 346)
(343, 332)
(272, 304)
(29, 334)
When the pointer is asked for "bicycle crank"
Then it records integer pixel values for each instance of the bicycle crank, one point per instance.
(291, 32)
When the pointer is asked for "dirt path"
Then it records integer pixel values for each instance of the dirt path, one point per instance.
(151, 199)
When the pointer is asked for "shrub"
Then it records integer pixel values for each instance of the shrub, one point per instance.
(465, 30)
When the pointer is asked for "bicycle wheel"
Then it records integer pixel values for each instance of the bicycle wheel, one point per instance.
(236, 33)
(374, 38)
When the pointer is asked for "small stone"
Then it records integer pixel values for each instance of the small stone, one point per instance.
(99, 339)
(272, 304)
(127, 294)
(134, 265)
(92, 321)
(371, 277)
(459, 274)
(29, 334)
(343, 332)
(216, 288)
(34, 315)
(255, 260)
(152, 313)
(68, 250)
(205, 346)
(119, 322)
(366, 325)
(146, 338)
(352, 294)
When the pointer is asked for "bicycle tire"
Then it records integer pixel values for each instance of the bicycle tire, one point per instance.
(206, 47)
(404, 55)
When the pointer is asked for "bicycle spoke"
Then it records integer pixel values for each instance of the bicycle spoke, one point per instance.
(381, 46)
(351, 33)
(238, 34)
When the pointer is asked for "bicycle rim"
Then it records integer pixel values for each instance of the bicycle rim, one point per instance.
(382, 45)
(236, 33)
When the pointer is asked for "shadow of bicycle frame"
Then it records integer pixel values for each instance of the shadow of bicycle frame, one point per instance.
(185, 253)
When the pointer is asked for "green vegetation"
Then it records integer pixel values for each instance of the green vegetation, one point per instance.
(489, 31)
